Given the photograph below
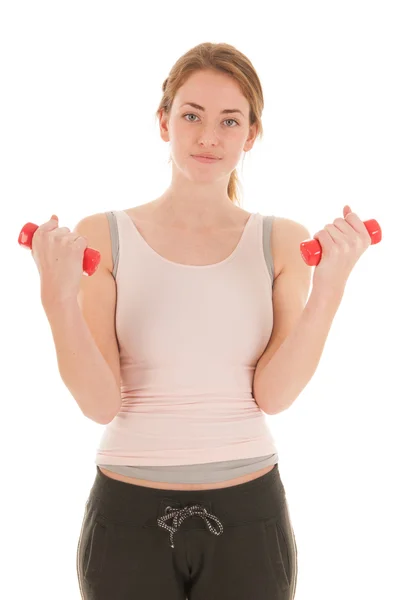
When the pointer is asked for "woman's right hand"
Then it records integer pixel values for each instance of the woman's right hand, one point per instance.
(58, 254)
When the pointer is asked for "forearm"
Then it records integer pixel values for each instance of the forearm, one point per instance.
(282, 379)
(82, 367)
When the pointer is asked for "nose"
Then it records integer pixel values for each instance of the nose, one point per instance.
(208, 136)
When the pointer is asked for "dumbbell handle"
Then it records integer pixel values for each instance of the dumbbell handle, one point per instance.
(91, 257)
(311, 249)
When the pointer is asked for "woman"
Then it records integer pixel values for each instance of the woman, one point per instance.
(183, 364)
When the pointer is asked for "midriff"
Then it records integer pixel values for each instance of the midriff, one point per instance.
(186, 486)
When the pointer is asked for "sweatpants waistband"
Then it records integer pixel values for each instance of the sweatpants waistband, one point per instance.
(259, 499)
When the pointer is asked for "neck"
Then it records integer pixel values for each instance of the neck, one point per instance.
(194, 213)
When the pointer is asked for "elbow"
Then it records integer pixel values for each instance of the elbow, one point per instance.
(114, 413)
(268, 407)
(105, 419)
(263, 405)
(101, 419)
(276, 411)
(98, 419)
(260, 398)
(108, 418)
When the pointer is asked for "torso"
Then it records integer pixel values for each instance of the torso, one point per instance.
(199, 249)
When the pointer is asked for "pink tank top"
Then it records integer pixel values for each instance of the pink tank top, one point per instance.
(189, 338)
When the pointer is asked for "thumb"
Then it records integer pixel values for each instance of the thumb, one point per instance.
(54, 217)
(346, 210)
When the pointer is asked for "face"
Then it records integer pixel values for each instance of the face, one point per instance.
(192, 131)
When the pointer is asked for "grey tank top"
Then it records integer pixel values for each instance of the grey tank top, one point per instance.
(206, 472)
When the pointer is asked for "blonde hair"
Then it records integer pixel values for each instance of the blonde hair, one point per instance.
(220, 58)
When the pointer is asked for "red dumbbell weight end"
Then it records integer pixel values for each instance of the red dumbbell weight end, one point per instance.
(311, 249)
(91, 257)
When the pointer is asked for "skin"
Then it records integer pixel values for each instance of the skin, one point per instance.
(197, 197)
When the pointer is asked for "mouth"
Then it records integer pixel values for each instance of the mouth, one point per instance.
(205, 159)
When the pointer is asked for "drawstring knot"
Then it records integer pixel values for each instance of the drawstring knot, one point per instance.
(178, 515)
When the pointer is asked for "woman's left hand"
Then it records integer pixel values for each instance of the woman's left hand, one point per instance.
(342, 243)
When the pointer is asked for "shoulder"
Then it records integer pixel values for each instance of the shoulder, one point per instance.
(97, 231)
(286, 237)
(286, 232)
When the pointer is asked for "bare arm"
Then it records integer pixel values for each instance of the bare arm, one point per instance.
(278, 382)
(84, 332)
(82, 366)
(296, 347)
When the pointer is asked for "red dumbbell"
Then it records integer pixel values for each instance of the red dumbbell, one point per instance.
(311, 249)
(91, 257)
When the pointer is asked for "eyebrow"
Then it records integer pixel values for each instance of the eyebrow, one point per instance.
(226, 111)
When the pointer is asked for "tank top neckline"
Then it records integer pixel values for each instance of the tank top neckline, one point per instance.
(212, 265)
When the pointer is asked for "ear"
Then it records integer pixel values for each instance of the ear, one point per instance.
(251, 138)
(163, 123)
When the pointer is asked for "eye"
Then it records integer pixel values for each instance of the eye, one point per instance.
(193, 115)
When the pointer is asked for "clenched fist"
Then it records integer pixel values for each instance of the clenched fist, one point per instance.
(58, 254)
(342, 243)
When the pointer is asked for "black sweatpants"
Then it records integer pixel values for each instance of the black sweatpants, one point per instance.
(233, 543)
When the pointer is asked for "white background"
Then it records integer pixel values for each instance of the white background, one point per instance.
(80, 83)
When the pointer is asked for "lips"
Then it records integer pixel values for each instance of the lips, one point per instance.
(205, 159)
(206, 156)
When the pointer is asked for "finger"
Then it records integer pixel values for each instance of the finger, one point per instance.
(80, 240)
(49, 225)
(354, 220)
(77, 239)
(344, 227)
(346, 210)
(60, 231)
(325, 239)
(338, 237)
